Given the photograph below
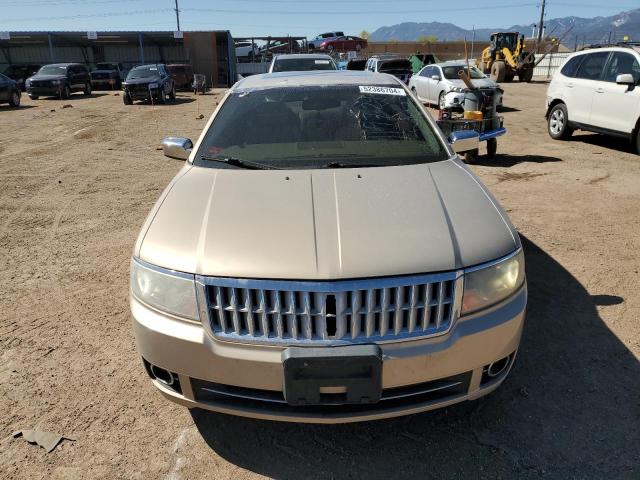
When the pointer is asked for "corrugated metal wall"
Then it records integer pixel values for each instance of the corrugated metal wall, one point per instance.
(548, 66)
(211, 53)
(126, 54)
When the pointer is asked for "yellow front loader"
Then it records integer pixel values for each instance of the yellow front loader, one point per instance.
(506, 57)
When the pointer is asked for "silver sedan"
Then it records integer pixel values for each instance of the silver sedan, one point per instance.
(434, 82)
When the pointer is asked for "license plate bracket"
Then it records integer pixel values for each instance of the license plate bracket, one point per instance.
(332, 375)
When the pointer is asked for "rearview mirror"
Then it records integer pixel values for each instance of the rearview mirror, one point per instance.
(625, 79)
(464, 140)
(435, 77)
(177, 147)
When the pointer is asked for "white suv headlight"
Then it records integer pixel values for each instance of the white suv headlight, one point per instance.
(487, 286)
(166, 290)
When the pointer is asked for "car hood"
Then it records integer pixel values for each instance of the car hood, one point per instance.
(325, 224)
(479, 83)
(47, 77)
(138, 81)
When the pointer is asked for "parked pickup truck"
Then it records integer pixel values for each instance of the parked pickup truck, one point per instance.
(107, 75)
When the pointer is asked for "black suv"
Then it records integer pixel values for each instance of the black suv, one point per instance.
(107, 74)
(59, 79)
(148, 82)
(20, 73)
(9, 91)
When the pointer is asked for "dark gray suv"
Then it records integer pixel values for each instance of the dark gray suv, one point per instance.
(59, 80)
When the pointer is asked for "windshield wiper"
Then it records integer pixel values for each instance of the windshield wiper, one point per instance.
(238, 162)
(350, 165)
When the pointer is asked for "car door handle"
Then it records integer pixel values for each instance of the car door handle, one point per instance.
(569, 85)
(599, 90)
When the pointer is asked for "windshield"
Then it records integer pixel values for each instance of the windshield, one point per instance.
(392, 65)
(106, 66)
(143, 72)
(52, 70)
(451, 72)
(313, 127)
(302, 64)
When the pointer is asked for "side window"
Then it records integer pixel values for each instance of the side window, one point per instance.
(592, 66)
(569, 68)
(621, 63)
(428, 71)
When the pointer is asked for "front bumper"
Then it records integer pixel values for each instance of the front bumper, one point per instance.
(45, 90)
(111, 82)
(453, 100)
(143, 94)
(248, 379)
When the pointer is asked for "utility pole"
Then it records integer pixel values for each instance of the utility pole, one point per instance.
(177, 15)
(541, 24)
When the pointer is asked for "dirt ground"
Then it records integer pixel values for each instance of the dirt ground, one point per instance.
(75, 186)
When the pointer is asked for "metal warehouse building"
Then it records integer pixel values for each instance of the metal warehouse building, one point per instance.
(211, 53)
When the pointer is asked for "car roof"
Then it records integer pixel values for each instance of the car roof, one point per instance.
(62, 64)
(316, 78)
(148, 65)
(607, 49)
(451, 63)
(284, 56)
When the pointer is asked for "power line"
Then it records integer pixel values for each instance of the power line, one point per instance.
(358, 12)
(88, 15)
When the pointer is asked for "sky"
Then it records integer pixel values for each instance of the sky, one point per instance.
(285, 17)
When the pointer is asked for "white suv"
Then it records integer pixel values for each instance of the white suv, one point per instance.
(597, 90)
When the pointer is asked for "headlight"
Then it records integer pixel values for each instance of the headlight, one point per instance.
(55, 82)
(171, 292)
(456, 89)
(153, 85)
(27, 82)
(487, 286)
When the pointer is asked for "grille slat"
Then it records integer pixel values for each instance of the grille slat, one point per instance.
(370, 322)
(259, 311)
(439, 304)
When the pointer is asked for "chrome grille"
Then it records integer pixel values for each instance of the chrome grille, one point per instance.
(352, 311)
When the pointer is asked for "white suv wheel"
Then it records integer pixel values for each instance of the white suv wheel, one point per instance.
(556, 123)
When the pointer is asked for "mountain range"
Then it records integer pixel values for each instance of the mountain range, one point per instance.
(585, 30)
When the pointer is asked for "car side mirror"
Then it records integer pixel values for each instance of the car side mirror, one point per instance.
(435, 77)
(625, 79)
(177, 147)
(464, 140)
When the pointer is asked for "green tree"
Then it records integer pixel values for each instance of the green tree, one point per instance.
(427, 39)
(364, 34)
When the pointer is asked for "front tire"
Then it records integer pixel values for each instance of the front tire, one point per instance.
(492, 147)
(162, 98)
(172, 94)
(558, 122)
(66, 92)
(471, 156)
(498, 71)
(87, 89)
(526, 74)
(14, 101)
(126, 98)
(441, 101)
